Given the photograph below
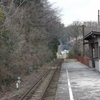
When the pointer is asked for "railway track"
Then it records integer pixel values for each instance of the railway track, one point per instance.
(51, 90)
(39, 88)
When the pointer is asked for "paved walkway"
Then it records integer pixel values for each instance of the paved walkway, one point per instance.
(78, 82)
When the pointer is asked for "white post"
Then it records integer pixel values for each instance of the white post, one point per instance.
(18, 82)
(17, 86)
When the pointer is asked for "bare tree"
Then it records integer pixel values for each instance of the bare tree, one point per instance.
(29, 35)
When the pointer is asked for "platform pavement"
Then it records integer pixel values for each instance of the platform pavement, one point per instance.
(78, 82)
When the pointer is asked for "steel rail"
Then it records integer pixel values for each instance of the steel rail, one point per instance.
(50, 81)
(42, 76)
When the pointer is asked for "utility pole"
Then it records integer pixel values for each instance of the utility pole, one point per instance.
(98, 17)
(83, 26)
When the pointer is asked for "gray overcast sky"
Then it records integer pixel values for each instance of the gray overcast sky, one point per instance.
(77, 10)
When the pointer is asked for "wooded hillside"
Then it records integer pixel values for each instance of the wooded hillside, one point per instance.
(29, 33)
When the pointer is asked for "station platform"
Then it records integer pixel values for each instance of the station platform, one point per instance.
(78, 82)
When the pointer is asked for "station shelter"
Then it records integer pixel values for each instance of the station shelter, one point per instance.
(93, 39)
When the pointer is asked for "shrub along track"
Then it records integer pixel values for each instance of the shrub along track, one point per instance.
(38, 90)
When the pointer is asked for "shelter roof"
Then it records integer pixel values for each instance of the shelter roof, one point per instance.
(91, 35)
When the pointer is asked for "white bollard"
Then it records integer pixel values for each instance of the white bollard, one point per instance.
(19, 81)
(17, 86)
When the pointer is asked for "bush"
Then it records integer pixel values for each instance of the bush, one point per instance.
(71, 54)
